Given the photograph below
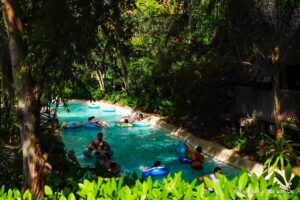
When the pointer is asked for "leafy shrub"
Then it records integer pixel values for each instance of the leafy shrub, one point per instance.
(166, 107)
(243, 186)
(246, 139)
(115, 96)
(123, 98)
(234, 141)
(97, 94)
(278, 152)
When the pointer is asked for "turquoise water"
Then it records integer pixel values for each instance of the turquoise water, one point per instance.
(133, 147)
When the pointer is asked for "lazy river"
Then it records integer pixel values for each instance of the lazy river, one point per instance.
(134, 147)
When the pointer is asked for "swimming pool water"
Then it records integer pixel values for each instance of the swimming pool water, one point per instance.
(133, 147)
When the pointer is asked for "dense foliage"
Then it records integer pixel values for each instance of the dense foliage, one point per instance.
(243, 186)
(179, 58)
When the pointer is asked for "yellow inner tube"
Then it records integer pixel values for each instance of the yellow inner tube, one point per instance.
(123, 124)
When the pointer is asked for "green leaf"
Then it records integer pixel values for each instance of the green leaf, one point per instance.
(71, 196)
(280, 178)
(218, 190)
(62, 197)
(271, 180)
(27, 195)
(243, 180)
(208, 182)
(17, 194)
(234, 182)
(231, 192)
(288, 172)
(9, 193)
(263, 184)
(254, 178)
(2, 190)
(120, 183)
(281, 160)
(48, 191)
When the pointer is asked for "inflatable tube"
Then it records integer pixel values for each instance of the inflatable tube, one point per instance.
(185, 160)
(141, 124)
(123, 124)
(90, 125)
(95, 154)
(109, 110)
(109, 179)
(93, 106)
(156, 171)
(70, 125)
(180, 149)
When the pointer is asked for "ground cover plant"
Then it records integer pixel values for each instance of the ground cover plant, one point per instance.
(243, 186)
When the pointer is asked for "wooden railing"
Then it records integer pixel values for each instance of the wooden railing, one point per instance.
(260, 103)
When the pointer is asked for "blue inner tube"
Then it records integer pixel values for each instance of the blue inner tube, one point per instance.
(156, 171)
(109, 110)
(180, 149)
(95, 154)
(93, 106)
(185, 160)
(90, 125)
(141, 124)
(70, 125)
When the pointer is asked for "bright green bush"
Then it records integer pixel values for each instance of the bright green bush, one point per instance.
(243, 186)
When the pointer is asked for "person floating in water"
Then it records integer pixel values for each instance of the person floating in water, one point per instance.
(93, 119)
(156, 164)
(105, 161)
(197, 158)
(107, 168)
(133, 118)
(212, 176)
(114, 168)
(99, 144)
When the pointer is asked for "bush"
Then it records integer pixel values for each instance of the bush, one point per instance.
(234, 141)
(243, 186)
(166, 107)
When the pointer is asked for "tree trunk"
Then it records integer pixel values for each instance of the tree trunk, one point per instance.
(99, 77)
(120, 46)
(124, 68)
(277, 110)
(35, 167)
(275, 85)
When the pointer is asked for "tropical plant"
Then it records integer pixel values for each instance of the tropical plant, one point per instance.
(288, 179)
(278, 153)
(243, 186)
